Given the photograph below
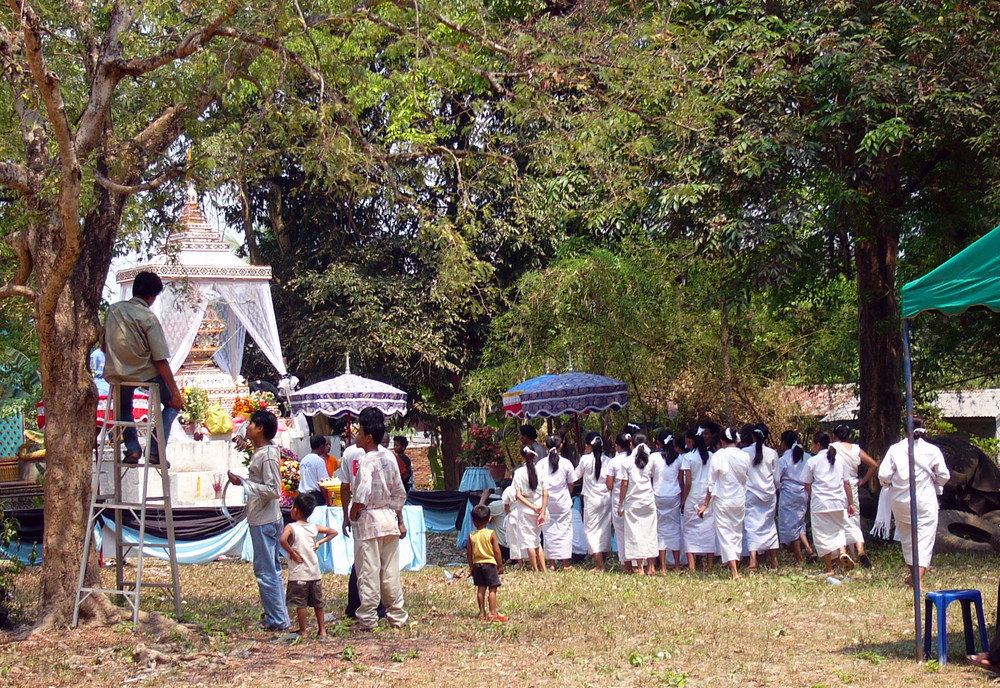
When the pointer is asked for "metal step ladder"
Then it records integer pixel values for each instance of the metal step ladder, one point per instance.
(109, 458)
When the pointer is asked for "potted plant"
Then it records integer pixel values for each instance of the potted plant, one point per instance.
(481, 449)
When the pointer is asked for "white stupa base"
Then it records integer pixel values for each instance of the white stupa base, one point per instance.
(195, 467)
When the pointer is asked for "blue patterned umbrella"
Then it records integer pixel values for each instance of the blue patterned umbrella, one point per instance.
(347, 395)
(572, 393)
(512, 397)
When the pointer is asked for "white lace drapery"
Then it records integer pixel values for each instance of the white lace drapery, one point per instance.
(244, 305)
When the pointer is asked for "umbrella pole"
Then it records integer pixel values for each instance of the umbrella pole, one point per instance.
(348, 424)
(579, 438)
(915, 574)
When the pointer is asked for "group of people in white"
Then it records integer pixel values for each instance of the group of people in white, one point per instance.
(715, 492)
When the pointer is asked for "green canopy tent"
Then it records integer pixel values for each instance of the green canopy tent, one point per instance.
(970, 279)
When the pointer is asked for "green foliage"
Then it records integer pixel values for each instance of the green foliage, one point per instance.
(20, 382)
(988, 445)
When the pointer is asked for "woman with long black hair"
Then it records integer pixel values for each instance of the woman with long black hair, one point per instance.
(559, 478)
(596, 500)
(698, 530)
(830, 503)
(637, 506)
(533, 498)
(760, 532)
(793, 502)
(668, 499)
(613, 471)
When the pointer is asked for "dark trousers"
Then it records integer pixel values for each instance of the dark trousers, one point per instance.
(354, 598)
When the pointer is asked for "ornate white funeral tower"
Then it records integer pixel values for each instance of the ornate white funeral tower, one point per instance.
(212, 299)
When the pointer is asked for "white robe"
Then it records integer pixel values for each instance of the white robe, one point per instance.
(931, 474)
(698, 533)
(640, 510)
(760, 533)
(793, 502)
(851, 454)
(558, 529)
(529, 532)
(596, 506)
(728, 472)
(668, 504)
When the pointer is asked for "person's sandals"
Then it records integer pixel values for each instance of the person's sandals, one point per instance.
(131, 458)
(811, 558)
(497, 617)
(865, 561)
(845, 561)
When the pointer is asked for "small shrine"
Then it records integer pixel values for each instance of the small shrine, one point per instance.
(212, 299)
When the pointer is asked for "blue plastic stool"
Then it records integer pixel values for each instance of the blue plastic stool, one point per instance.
(941, 599)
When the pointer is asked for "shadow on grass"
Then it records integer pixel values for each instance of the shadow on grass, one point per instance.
(905, 649)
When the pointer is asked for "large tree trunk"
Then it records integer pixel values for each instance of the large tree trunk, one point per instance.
(879, 338)
(451, 445)
(70, 397)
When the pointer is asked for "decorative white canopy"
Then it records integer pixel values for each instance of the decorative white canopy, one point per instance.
(199, 270)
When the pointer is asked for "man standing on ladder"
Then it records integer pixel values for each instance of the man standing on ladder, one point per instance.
(136, 349)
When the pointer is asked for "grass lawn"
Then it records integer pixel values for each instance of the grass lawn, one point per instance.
(565, 629)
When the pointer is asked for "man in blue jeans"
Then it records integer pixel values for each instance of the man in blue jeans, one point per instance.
(136, 350)
(263, 488)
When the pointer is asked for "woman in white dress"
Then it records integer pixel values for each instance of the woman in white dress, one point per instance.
(596, 500)
(830, 503)
(533, 496)
(637, 506)
(559, 478)
(728, 472)
(793, 501)
(854, 457)
(667, 491)
(760, 532)
(930, 475)
(697, 530)
(510, 505)
(611, 471)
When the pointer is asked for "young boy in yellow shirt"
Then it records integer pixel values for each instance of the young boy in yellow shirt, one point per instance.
(485, 563)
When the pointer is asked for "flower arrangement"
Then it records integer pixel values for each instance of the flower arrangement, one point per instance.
(243, 406)
(195, 406)
(289, 472)
(481, 447)
(257, 401)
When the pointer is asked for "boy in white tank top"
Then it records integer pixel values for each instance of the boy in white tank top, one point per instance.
(305, 582)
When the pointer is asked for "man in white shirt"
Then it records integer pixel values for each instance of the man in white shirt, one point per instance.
(312, 471)
(376, 520)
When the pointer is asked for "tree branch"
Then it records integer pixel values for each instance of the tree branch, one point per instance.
(125, 189)
(69, 194)
(104, 79)
(18, 284)
(191, 44)
(458, 28)
(19, 177)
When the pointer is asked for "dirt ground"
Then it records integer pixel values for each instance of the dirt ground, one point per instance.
(789, 628)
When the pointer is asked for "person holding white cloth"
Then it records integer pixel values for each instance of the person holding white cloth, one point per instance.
(637, 506)
(728, 472)
(930, 475)
(596, 500)
(830, 494)
(559, 476)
